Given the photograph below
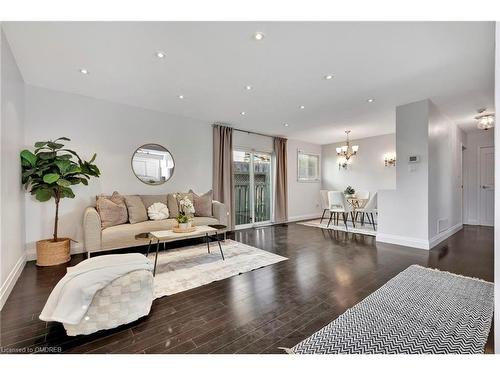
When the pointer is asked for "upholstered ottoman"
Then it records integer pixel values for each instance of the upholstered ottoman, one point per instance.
(101, 293)
(124, 300)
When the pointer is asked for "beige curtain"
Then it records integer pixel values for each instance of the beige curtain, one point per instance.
(281, 198)
(223, 169)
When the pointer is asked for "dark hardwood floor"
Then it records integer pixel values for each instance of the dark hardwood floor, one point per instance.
(276, 306)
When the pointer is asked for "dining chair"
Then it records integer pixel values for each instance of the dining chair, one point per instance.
(339, 205)
(362, 197)
(369, 209)
(325, 206)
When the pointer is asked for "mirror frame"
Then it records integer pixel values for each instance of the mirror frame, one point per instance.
(132, 163)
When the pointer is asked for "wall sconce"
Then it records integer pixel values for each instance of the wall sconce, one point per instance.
(390, 160)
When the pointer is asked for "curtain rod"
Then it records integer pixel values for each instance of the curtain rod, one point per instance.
(248, 131)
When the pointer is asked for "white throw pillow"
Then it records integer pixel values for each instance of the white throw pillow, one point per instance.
(158, 211)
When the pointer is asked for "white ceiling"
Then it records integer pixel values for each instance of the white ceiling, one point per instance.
(210, 63)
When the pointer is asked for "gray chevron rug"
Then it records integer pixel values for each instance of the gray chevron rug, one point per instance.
(420, 311)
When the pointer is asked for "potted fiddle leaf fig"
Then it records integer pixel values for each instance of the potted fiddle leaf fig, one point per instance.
(50, 172)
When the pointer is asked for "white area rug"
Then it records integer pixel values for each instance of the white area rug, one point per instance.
(189, 267)
(360, 229)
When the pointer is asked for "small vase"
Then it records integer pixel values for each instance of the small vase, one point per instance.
(184, 226)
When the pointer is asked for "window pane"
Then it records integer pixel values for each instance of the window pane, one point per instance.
(308, 167)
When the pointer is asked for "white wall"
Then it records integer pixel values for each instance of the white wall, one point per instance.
(303, 197)
(366, 171)
(403, 213)
(474, 140)
(428, 192)
(12, 254)
(445, 195)
(113, 131)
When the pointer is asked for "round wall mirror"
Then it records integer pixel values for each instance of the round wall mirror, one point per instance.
(153, 164)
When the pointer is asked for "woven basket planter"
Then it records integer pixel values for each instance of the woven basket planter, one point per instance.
(50, 253)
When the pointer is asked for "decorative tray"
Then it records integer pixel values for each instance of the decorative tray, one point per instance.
(187, 230)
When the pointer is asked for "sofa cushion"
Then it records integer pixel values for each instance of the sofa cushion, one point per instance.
(123, 235)
(205, 220)
(136, 210)
(148, 200)
(173, 202)
(112, 210)
(202, 203)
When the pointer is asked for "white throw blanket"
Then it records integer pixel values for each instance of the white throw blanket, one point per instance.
(70, 299)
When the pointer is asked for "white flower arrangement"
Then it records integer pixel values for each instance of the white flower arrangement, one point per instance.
(186, 206)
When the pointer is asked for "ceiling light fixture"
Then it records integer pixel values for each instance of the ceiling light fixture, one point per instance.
(302, 107)
(485, 120)
(329, 76)
(84, 71)
(285, 124)
(346, 152)
(248, 87)
(259, 35)
(161, 54)
(181, 96)
(243, 113)
(371, 100)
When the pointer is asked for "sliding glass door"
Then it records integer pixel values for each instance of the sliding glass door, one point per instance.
(252, 187)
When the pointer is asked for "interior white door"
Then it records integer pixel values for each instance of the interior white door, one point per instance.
(486, 185)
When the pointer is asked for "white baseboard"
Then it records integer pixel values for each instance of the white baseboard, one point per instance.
(444, 235)
(11, 280)
(292, 219)
(76, 248)
(403, 241)
(417, 242)
(471, 222)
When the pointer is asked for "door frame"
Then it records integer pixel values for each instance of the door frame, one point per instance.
(479, 183)
(254, 224)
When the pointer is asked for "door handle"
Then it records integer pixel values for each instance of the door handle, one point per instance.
(486, 186)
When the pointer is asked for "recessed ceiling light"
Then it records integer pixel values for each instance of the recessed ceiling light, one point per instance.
(371, 100)
(243, 113)
(84, 71)
(160, 54)
(258, 35)
(302, 107)
(248, 87)
(285, 124)
(329, 76)
(181, 96)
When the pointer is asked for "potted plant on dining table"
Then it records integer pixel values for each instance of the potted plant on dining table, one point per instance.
(349, 192)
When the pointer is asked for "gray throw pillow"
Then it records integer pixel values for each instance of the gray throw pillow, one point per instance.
(148, 200)
(203, 203)
(112, 210)
(136, 210)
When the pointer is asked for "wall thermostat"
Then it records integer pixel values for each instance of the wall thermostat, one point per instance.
(413, 159)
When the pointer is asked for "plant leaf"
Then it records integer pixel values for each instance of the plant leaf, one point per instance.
(93, 158)
(46, 155)
(66, 192)
(63, 182)
(62, 139)
(29, 157)
(50, 178)
(40, 144)
(54, 145)
(43, 195)
(63, 165)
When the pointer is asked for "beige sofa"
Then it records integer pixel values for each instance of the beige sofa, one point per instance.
(124, 235)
